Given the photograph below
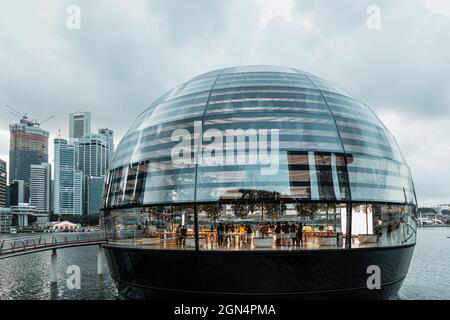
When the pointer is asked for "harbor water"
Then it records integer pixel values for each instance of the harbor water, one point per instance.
(28, 276)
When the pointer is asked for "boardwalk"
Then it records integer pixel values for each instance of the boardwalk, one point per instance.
(45, 241)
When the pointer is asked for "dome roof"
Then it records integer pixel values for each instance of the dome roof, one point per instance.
(331, 147)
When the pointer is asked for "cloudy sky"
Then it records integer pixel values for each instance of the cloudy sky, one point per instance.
(127, 53)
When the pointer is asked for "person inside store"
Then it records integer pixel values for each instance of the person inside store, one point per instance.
(286, 236)
(249, 232)
(183, 234)
(293, 234)
(220, 231)
(264, 230)
(278, 234)
(178, 235)
(300, 234)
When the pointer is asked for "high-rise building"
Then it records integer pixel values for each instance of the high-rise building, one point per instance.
(8, 197)
(28, 145)
(40, 187)
(17, 192)
(79, 124)
(2, 184)
(95, 188)
(68, 184)
(93, 155)
(93, 161)
(109, 134)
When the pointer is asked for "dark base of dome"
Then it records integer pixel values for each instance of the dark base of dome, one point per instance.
(132, 292)
(257, 275)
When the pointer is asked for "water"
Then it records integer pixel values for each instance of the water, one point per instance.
(429, 273)
(27, 277)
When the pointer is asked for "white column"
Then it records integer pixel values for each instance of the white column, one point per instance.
(337, 190)
(313, 176)
(100, 260)
(53, 267)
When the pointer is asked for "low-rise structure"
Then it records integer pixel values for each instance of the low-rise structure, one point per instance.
(5, 219)
(63, 226)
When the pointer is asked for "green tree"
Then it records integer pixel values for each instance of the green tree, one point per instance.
(307, 209)
(212, 210)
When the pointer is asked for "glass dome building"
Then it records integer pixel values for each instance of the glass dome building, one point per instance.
(259, 181)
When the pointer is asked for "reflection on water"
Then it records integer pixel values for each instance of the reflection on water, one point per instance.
(429, 273)
(27, 277)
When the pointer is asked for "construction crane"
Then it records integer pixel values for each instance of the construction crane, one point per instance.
(43, 121)
(24, 117)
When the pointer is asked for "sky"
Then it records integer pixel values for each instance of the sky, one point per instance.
(114, 58)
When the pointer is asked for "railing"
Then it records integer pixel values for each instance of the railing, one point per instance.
(14, 245)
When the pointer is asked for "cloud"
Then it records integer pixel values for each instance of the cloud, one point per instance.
(127, 53)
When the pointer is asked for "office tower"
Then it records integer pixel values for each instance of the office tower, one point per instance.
(68, 180)
(93, 161)
(95, 187)
(17, 192)
(8, 197)
(79, 124)
(40, 187)
(2, 184)
(93, 155)
(109, 134)
(28, 145)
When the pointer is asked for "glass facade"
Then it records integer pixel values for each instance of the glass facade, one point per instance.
(264, 150)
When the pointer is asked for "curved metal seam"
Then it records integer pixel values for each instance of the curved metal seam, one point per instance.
(348, 227)
(337, 130)
(196, 163)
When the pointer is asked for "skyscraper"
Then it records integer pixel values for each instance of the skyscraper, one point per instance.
(93, 161)
(109, 134)
(68, 184)
(2, 183)
(40, 187)
(28, 145)
(79, 124)
(17, 192)
(95, 188)
(93, 155)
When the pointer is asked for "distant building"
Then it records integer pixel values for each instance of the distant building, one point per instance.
(95, 188)
(28, 145)
(5, 219)
(425, 212)
(93, 155)
(63, 225)
(2, 184)
(23, 211)
(93, 161)
(40, 187)
(109, 134)
(8, 197)
(68, 181)
(79, 124)
(17, 192)
(442, 208)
